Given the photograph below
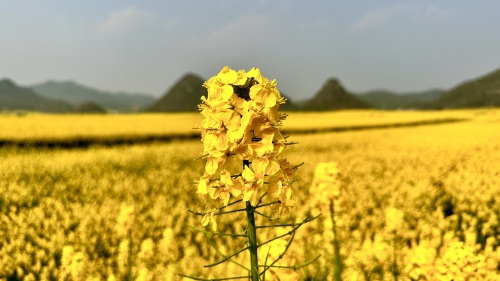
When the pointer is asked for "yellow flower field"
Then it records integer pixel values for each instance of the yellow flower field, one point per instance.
(31, 127)
(414, 202)
(34, 126)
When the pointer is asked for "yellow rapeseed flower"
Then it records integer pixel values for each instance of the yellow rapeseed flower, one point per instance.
(241, 118)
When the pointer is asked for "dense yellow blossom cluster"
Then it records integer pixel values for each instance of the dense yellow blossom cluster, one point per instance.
(327, 193)
(325, 184)
(458, 261)
(241, 118)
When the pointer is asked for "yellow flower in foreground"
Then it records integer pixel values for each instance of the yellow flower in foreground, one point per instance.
(241, 118)
(252, 186)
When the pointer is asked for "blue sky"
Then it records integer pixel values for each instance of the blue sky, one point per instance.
(145, 46)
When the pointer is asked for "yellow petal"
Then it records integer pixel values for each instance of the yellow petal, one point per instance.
(255, 73)
(272, 113)
(205, 220)
(266, 132)
(228, 75)
(247, 194)
(225, 178)
(256, 92)
(278, 148)
(236, 188)
(202, 187)
(226, 92)
(274, 188)
(272, 168)
(254, 200)
(224, 196)
(269, 98)
(260, 149)
(222, 141)
(214, 223)
(248, 174)
(230, 118)
(259, 166)
(240, 105)
(289, 193)
(211, 166)
(241, 78)
(235, 136)
(213, 191)
(244, 151)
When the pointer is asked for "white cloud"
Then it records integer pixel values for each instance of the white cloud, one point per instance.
(414, 11)
(124, 19)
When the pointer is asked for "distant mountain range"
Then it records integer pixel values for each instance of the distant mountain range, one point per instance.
(481, 92)
(185, 95)
(14, 97)
(384, 99)
(77, 94)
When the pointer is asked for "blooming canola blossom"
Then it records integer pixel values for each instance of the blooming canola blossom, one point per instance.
(241, 119)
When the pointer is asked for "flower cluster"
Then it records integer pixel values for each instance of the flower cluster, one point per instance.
(241, 119)
(326, 184)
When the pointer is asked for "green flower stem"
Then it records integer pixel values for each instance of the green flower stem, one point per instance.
(252, 240)
(223, 255)
(216, 233)
(252, 237)
(280, 256)
(212, 279)
(337, 262)
(227, 257)
(130, 259)
(306, 220)
(395, 270)
(294, 267)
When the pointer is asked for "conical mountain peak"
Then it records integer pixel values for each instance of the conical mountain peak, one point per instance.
(184, 95)
(333, 96)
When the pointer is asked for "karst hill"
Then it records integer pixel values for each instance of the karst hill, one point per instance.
(333, 96)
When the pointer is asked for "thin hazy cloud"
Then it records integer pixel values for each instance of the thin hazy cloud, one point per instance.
(243, 30)
(386, 15)
(124, 19)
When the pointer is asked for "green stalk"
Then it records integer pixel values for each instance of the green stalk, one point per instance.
(337, 262)
(395, 270)
(252, 237)
(129, 258)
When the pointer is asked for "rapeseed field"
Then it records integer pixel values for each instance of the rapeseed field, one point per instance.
(415, 202)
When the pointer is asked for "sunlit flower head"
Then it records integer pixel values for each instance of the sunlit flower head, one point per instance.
(241, 119)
